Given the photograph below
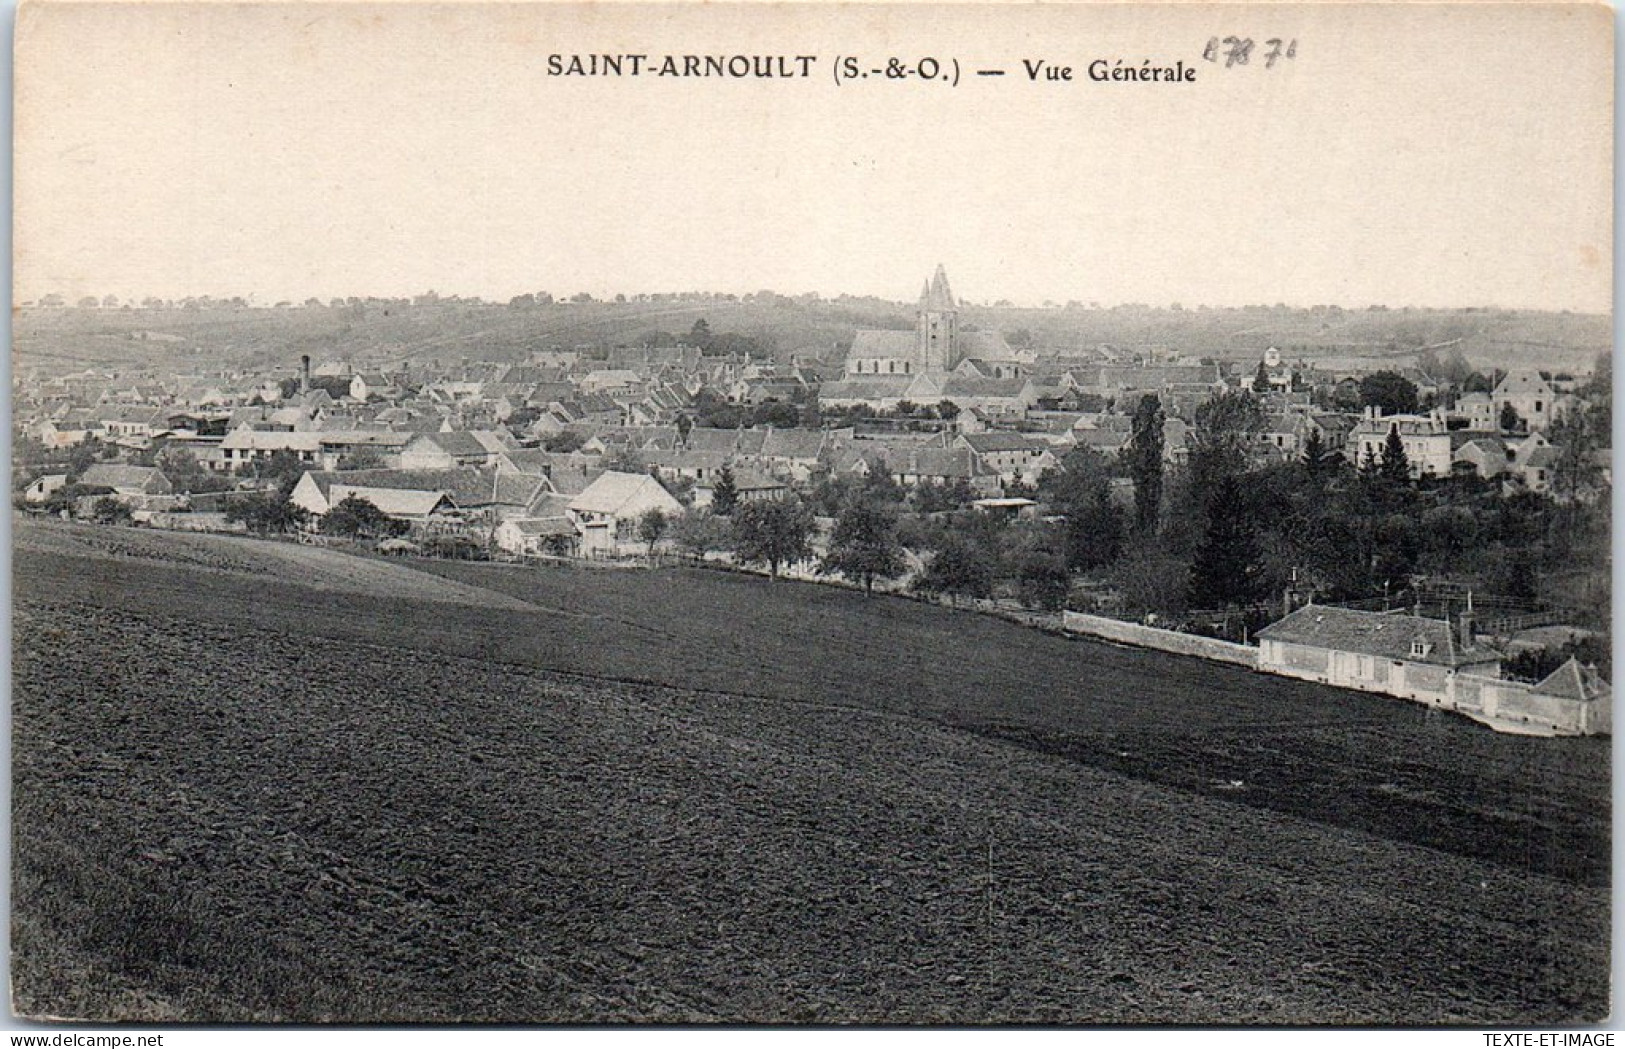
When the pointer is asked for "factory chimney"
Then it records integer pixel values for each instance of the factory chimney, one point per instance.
(304, 373)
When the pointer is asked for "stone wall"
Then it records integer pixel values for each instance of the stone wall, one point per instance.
(1162, 640)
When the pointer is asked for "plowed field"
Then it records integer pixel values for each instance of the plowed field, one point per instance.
(292, 794)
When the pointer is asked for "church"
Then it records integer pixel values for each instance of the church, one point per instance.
(936, 361)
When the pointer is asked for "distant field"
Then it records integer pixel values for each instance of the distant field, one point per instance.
(685, 795)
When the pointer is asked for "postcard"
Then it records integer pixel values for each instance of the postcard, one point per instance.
(829, 514)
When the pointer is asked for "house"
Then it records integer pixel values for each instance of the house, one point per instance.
(1527, 394)
(606, 514)
(943, 466)
(367, 385)
(42, 488)
(125, 480)
(243, 447)
(795, 454)
(1425, 438)
(339, 447)
(537, 536)
(1393, 653)
(542, 526)
(1011, 456)
(612, 382)
(1478, 410)
(318, 491)
(443, 451)
(749, 487)
(1481, 454)
(1534, 461)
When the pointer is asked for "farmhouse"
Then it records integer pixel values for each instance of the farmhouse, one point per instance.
(1394, 653)
(607, 512)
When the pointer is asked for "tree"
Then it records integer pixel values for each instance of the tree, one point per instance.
(1226, 563)
(1226, 427)
(1081, 490)
(1314, 453)
(1394, 464)
(773, 532)
(186, 474)
(267, 512)
(1575, 472)
(1143, 456)
(564, 441)
(1042, 582)
(83, 456)
(698, 532)
(1389, 391)
(725, 493)
(359, 517)
(864, 545)
(1511, 421)
(283, 466)
(653, 526)
(1261, 378)
(108, 510)
(1094, 533)
(947, 410)
(361, 459)
(957, 568)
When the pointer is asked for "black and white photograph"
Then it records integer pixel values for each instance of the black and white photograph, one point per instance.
(811, 515)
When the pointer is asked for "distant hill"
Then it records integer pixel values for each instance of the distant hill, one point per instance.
(272, 340)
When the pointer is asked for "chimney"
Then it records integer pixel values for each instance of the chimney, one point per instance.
(1464, 623)
(304, 373)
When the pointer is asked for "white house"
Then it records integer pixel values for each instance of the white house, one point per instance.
(1529, 395)
(1425, 438)
(606, 513)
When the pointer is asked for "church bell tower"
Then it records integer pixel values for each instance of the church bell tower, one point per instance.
(937, 324)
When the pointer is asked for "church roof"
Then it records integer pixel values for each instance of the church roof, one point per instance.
(871, 343)
(873, 387)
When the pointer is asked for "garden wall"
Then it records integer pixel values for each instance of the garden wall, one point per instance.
(1162, 640)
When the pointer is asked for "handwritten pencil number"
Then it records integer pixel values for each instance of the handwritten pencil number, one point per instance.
(1238, 50)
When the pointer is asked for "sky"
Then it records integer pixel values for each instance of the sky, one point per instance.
(1430, 156)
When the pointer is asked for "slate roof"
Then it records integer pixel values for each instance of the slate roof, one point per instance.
(396, 502)
(712, 439)
(467, 486)
(1386, 635)
(792, 444)
(273, 441)
(997, 441)
(937, 462)
(962, 386)
(872, 343)
(1573, 681)
(867, 387)
(614, 493)
(121, 477)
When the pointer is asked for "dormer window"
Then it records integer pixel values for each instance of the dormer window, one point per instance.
(1420, 647)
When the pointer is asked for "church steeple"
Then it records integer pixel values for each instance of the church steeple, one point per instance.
(938, 295)
(938, 326)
